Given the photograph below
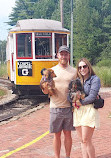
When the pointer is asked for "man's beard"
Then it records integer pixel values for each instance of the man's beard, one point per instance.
(64, 61)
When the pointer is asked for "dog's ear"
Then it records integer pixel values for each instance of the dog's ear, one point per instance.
(70, 85)
(47, 74)
(52, 74)
(43, 71)
(79, 85)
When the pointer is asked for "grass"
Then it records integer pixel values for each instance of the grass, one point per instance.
(2, 92)
(3, 71)
(105, 75)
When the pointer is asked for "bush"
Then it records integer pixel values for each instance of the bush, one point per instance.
(105, 63)
(3, 70)
(104, 73)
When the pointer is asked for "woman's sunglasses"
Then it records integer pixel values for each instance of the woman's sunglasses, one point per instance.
(84, 67)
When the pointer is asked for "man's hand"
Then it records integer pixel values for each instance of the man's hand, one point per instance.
(45, 88)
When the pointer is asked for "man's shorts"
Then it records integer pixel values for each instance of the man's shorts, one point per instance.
(61, 119)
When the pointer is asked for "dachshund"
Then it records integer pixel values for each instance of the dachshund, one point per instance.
(47, 81)
(75, 87)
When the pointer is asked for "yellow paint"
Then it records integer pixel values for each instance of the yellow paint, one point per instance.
(37, 66)
(25, 146)
(62, 32)
(8, 69)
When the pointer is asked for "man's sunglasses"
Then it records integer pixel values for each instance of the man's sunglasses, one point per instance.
(84, 67)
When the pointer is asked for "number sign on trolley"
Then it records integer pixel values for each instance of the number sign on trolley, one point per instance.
(24, 68)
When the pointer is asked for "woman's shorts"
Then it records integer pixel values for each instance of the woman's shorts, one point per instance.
(86, 115)
(61, 119)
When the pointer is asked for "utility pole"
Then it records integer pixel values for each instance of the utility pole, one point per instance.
(61, 12)
(71, 57)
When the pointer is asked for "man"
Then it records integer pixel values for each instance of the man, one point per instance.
(60, 109)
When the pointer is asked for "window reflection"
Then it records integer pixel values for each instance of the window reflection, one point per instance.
(24, 45)
(43, 45)
(60, 39)
(43, 48)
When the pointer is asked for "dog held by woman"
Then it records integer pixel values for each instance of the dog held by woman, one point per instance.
(47, 81)
(75, 87)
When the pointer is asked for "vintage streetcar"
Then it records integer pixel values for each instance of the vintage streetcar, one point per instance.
(32, 45)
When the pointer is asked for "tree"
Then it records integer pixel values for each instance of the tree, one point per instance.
(28, 9)
(106, 28)
(2, 51)
(92, 22)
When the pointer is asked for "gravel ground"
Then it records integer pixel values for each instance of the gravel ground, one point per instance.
(105, 89)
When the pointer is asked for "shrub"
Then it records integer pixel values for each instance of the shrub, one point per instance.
(104, 73)
(3, 70)
(105, 63)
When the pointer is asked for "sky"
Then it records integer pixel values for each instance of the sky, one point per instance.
(5, 9)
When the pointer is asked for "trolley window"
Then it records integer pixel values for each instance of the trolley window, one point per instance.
(43, 45)
(60, 39)
(24, 43)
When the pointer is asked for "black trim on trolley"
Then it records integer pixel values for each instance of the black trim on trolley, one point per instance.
(27, 90)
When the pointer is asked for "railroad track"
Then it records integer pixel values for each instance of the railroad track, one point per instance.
(19, 104)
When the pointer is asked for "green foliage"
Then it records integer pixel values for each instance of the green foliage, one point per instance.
(92, 23)
(2, 51)
(106, 53)
(3, 70)
(89, 37)
(28, 9)
(2, 92)
(105, 63)
(105, 75)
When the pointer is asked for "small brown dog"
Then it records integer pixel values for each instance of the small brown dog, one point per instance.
(47, 81)
(75, 87)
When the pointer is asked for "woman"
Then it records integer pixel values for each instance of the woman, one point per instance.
(86, 118)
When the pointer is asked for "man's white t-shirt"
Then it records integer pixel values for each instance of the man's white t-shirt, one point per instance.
(64, 76)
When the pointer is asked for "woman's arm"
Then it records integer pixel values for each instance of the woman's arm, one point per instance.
(93, 91)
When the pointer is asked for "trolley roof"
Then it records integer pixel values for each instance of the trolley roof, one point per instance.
(38, 25)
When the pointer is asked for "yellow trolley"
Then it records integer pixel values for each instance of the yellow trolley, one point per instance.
(32, 45)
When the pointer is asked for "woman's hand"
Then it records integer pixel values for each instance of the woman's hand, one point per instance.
(78, 94)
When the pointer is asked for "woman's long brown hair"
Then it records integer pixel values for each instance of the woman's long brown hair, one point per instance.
(91, 71)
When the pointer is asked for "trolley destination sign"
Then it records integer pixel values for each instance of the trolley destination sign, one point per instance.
(24, 68)
(43, 34)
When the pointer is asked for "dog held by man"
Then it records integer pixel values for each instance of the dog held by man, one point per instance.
(47, 81)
